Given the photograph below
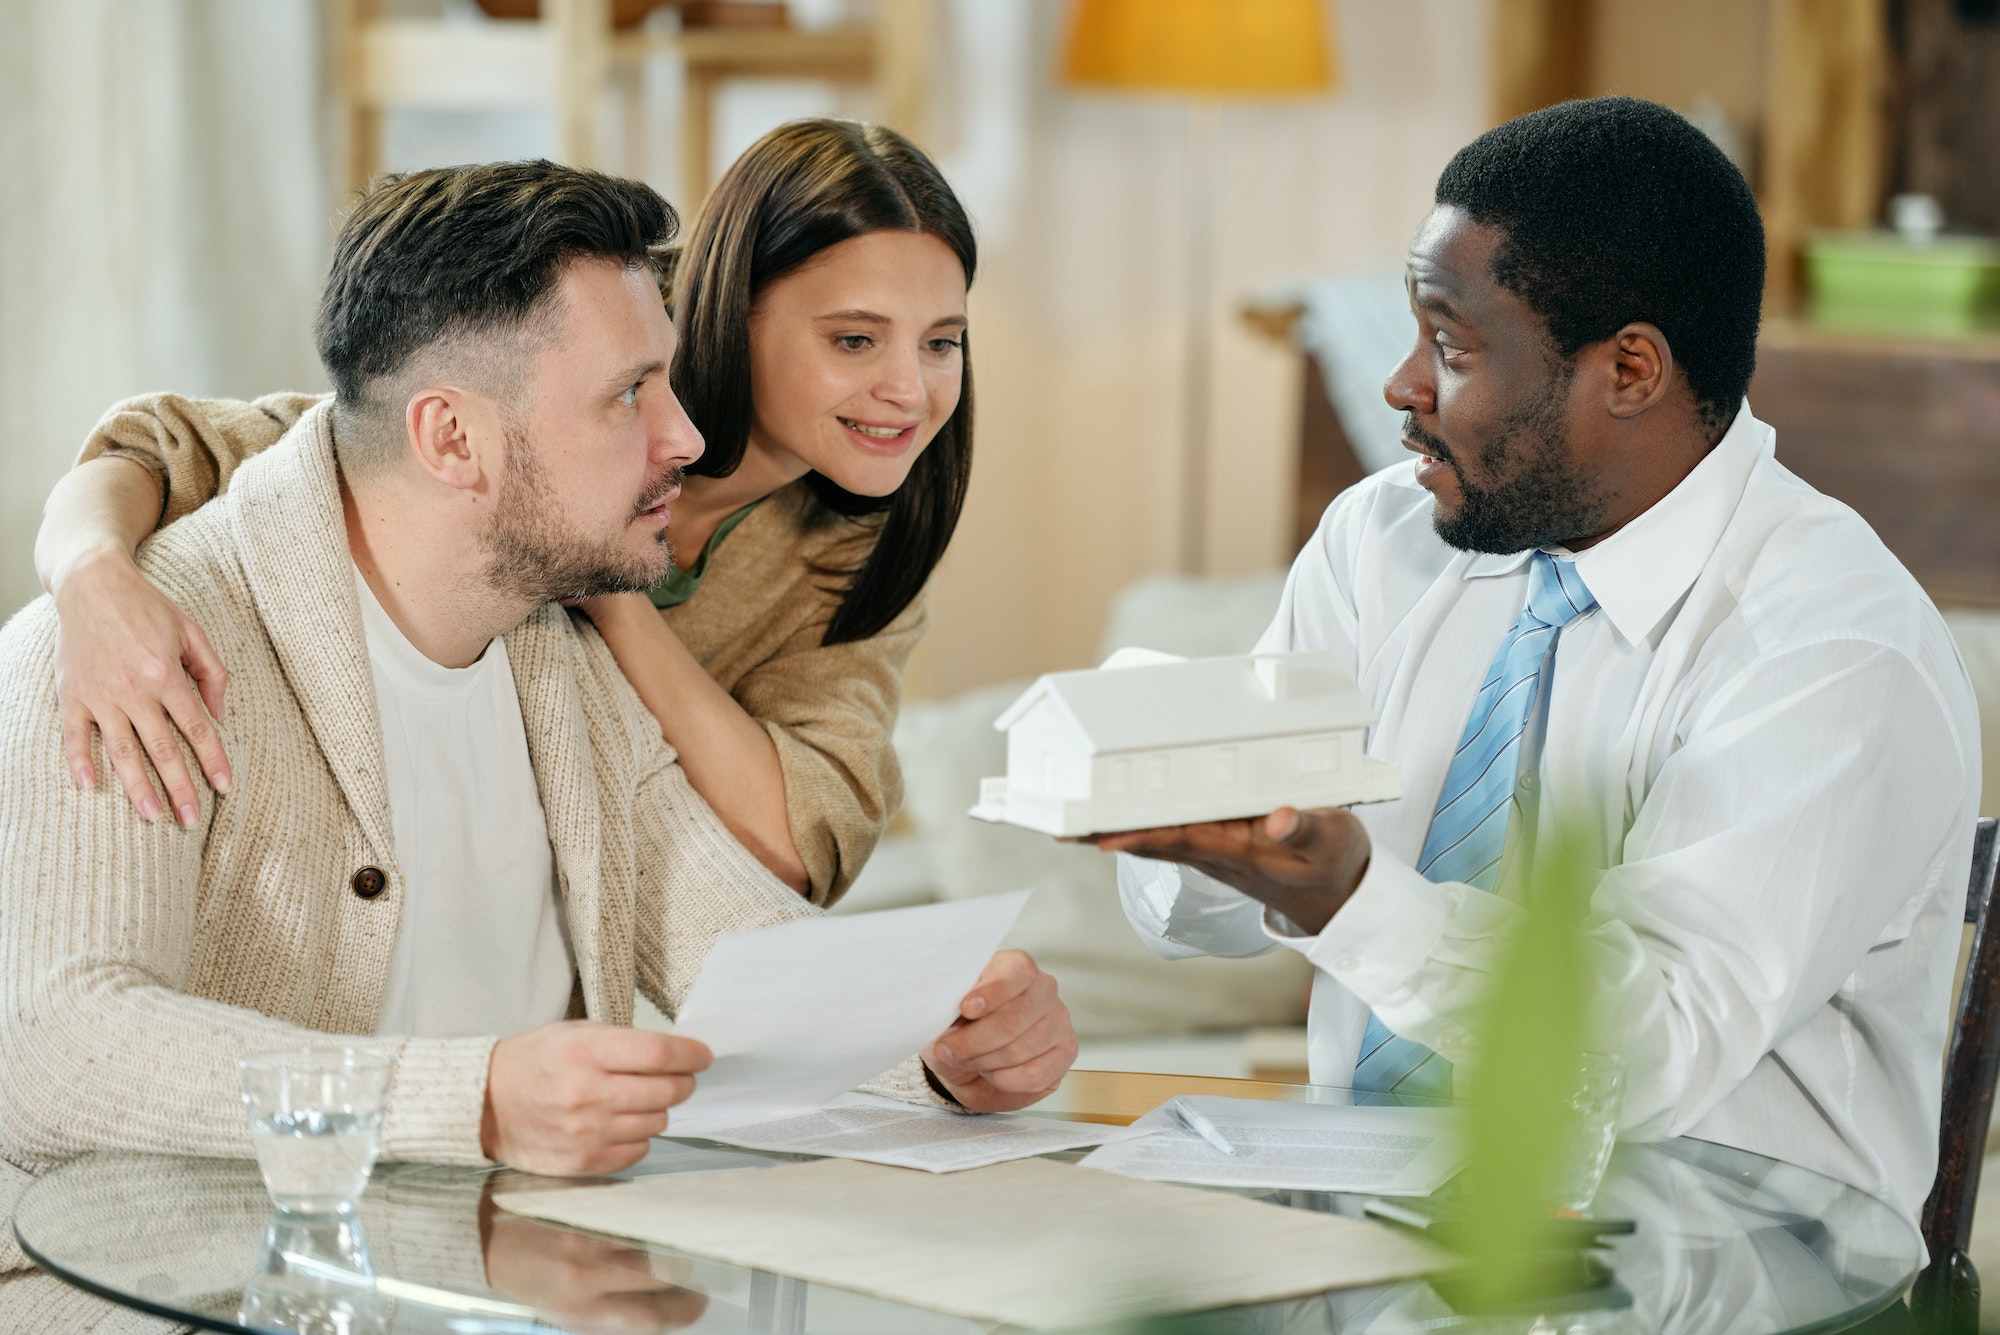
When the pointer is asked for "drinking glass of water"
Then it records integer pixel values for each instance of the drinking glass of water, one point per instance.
(314, 1278)
(316, 1120)
(1592, 1129)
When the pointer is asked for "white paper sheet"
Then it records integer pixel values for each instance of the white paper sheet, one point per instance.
(884, 1131)
(1032, 1243)
(801, 1012)
(1303, 1146)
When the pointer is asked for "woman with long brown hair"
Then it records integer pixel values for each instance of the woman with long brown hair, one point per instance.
(820, 301)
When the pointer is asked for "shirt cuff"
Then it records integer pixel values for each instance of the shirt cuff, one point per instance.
(1378, 946)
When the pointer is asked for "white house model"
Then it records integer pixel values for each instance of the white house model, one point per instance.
(1150, 739)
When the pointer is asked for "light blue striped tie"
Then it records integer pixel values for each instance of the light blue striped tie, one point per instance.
(1469, 829)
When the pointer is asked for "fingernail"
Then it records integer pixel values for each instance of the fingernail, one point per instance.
(975, 1006)
(222, 782)
(190, 814)
(84, 778)
(149, 808)
(946, 1055)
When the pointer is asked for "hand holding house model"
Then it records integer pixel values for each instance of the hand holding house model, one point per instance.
(1151, 739)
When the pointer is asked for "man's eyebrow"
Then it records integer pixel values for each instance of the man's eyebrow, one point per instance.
(1436, 304)
(627, 378)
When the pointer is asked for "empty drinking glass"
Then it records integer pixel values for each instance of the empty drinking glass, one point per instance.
(316, 1120)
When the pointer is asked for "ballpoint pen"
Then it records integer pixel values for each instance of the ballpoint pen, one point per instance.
(1200, 1125)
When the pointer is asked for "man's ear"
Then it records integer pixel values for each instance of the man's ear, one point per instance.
(1642, 369)
(454, 434)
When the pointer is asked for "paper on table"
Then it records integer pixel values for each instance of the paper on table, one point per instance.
(1032, 1243)
(884, 1131)
(1303, 1146)
(797, 1013)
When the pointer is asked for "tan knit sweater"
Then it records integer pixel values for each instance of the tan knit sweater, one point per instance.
(754, 624)
(138, 961)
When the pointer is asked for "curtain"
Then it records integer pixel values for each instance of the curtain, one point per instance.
(163, 220)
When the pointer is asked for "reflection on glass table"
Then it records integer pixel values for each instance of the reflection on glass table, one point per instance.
(1727, 1241)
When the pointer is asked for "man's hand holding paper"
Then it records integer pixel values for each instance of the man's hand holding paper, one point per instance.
(583, 1098)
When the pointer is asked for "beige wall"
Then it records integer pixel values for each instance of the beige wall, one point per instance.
(1078, 323)
(179, 244)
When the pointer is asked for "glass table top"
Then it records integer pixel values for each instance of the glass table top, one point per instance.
(1727, 1241)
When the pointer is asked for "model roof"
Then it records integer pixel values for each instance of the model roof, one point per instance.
(1140, 701)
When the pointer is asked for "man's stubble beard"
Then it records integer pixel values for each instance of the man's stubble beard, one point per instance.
(536, 555)
(1543, 504)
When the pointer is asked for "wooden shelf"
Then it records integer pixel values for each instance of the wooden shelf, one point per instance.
(1791, 334)
(455, 66)
(569, 58)
(840, 52)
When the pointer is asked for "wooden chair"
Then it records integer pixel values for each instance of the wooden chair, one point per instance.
(1946, 1296)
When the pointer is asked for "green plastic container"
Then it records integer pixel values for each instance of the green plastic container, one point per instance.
(1878, 281)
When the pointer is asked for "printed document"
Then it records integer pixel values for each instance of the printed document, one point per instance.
(861, 1126)
(1302, 1146)
(801, 1012)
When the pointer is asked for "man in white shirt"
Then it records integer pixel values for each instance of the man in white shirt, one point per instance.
(1598, 603)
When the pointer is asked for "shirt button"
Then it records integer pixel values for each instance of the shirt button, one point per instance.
(1527, 782)
(369, 883)
(1346, 963)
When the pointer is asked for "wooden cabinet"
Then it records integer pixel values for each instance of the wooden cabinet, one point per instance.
(1905, 431)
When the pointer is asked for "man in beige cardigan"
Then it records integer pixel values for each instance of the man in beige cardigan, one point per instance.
(503, 434)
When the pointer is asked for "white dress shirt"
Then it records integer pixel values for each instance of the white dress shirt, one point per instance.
(481, 945)
(1763, 732)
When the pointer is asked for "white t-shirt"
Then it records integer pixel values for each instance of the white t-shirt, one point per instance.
(481, 947)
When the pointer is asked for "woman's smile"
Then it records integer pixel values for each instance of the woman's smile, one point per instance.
(880, 437)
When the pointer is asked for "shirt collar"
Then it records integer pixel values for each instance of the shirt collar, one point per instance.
(1641, 571)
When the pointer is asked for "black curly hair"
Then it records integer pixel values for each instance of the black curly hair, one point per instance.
(1615, 210)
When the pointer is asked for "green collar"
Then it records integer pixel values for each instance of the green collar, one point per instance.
(680, 584)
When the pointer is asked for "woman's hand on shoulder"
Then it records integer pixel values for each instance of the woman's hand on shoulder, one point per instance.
(132, 665)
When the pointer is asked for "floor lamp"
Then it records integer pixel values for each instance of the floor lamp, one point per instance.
(1204, 51)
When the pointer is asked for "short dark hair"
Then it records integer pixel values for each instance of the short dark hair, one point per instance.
(804, 187)
(1616, 210)
(475, 251)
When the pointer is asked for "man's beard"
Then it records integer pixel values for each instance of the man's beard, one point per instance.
(535, 554)
(1542, 504)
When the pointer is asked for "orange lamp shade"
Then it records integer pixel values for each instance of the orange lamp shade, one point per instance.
(1270, 47)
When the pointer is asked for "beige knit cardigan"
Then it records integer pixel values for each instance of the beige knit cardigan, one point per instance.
(139, 960)
(755, 623)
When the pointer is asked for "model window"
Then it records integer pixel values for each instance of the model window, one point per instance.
(1121, 777)
(1317, 755)
(1225, 766)
(1156, 774)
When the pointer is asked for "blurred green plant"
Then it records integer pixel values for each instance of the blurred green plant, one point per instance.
(1520, 1125)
